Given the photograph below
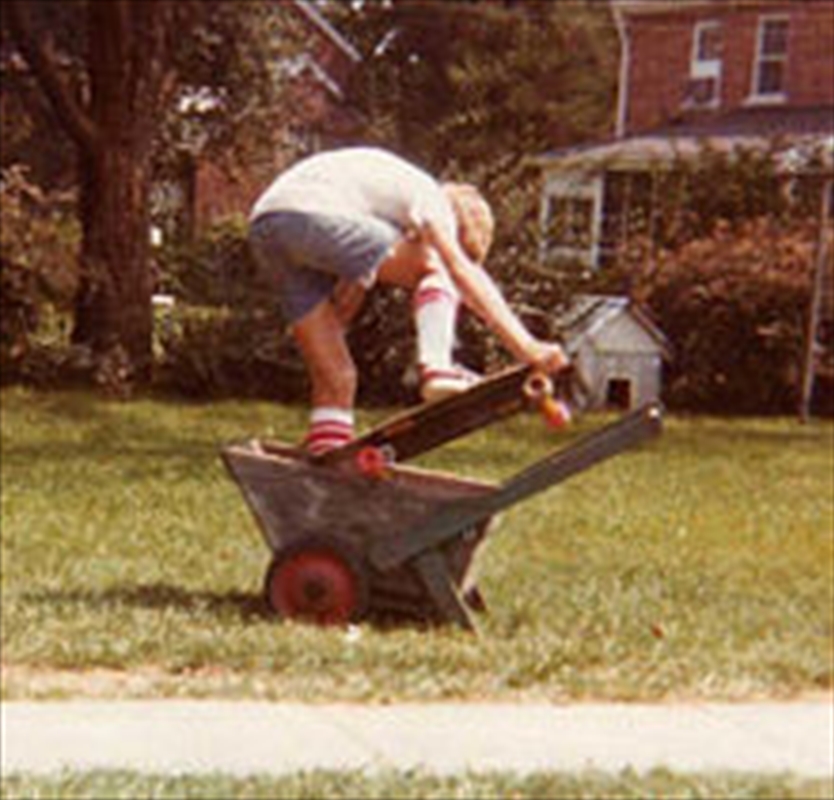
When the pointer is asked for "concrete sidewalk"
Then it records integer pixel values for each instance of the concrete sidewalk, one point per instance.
(249, 737)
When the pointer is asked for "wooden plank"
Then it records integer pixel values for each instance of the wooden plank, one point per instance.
(432, 424)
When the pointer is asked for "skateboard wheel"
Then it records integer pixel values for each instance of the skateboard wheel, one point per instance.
(372, 462)
(538, 387)
(556, 412)
(317, 580)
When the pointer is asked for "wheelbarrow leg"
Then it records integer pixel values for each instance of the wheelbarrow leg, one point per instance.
(434, 572)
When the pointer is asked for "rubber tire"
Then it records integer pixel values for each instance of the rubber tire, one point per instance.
(319, 580)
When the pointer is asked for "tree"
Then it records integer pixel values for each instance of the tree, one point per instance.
(472, 89)
(472, 82)
(114, 89)
(130, 79)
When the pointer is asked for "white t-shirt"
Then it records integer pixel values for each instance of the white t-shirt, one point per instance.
(359, 182)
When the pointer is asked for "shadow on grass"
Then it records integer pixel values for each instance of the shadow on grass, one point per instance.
(732, 431)
(246, 608)
(157, 597)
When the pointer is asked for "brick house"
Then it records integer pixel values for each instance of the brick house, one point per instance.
(215, 186)
(753, 74)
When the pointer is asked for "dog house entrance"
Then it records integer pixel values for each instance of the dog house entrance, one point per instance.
(618, 394)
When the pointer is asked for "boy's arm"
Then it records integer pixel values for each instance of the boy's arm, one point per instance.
(486, 300)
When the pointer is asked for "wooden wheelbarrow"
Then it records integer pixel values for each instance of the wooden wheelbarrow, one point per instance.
(355, 534)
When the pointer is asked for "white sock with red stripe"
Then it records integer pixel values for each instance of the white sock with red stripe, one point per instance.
(436, 304)
(329, 428)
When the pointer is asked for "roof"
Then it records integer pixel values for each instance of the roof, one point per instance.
(589, 313)
(762, 121)
(790, 130)
(645, 7)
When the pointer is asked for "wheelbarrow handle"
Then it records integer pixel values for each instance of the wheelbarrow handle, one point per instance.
(453, 518)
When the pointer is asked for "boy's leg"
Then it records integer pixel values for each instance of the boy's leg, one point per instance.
(435, 301)
(321, 338)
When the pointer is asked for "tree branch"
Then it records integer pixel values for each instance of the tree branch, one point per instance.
(156, 23)
(44, 66)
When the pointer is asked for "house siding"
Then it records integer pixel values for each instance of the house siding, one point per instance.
(661, 46)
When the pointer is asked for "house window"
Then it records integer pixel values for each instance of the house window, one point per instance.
(770, 72)
(702, 89)
(628, 210)
(570, 221)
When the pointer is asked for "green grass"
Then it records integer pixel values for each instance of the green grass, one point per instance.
(392, 784)
(700, 566)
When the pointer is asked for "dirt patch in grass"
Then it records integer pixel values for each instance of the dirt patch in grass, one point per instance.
(21, 682)
(24, 682)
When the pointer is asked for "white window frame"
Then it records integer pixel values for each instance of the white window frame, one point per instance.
(757, 96)
(580, 188)
(704, 68)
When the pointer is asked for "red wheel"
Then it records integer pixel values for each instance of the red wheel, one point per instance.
(318, 581)
(372, 462)
(556, 412)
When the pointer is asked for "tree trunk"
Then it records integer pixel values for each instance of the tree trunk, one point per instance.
(130, 78)
(113, 306)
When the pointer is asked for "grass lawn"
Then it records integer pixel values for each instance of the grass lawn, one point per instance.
(387, 785)
(698, 567)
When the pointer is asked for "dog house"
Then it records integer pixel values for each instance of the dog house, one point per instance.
(618, 349)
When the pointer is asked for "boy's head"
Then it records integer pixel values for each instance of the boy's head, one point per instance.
(476, 223)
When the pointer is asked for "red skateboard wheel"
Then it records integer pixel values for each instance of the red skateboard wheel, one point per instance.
(556, 412)
(372, 462)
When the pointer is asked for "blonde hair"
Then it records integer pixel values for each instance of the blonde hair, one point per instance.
(476, 224)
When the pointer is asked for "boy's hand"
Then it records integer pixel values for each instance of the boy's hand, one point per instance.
(547, 356)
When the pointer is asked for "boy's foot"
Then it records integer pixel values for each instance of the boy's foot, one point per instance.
(436, 384)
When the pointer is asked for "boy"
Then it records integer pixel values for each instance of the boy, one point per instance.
(337, 222)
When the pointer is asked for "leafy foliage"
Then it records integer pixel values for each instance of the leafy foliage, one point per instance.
(464, 85)
(734, 305)
(220, 352)
(111, 82)
(223, 335)
(470, 90)
(38, 240)
(231, 95)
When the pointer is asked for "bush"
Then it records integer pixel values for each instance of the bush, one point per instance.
(215, 269)
(212, 352)
(38, 246)
(224, 336)
(734, 306)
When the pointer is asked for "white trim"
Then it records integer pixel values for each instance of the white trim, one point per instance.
(319, 21)
(625, 68)
(576, 188)
(304, 62)
(703, 70)
(650, 7)
(768, 98)
(704, 67)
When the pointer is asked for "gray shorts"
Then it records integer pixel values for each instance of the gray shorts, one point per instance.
(302, 256)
